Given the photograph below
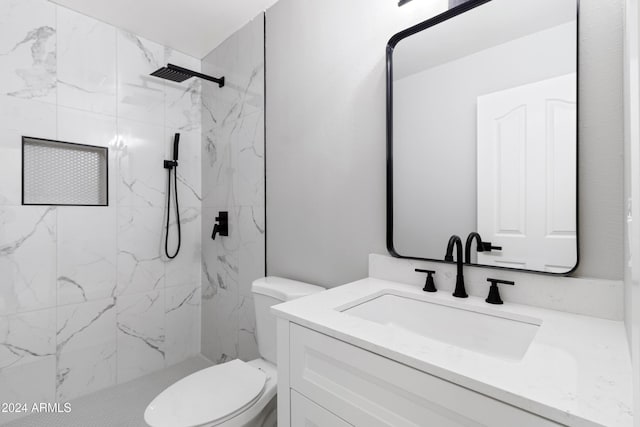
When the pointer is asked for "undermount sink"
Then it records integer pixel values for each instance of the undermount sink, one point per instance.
(485, 331)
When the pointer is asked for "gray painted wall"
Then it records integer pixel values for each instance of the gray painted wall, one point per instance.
(326, 135)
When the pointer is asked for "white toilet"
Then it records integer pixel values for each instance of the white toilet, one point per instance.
(233, 394)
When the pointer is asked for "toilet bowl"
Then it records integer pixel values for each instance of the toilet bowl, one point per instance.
(236, 393)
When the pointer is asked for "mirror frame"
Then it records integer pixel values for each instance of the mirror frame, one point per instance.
(393, 41)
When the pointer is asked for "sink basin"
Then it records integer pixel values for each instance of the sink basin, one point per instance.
(486, 331)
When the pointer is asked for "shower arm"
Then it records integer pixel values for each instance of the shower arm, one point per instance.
(220, 80)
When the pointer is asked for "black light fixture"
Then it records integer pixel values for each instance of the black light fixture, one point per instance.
(401, 2)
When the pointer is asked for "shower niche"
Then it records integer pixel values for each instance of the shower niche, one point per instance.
(63, 173)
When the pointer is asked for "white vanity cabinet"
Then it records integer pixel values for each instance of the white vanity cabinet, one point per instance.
(327, 382)
(306, 413)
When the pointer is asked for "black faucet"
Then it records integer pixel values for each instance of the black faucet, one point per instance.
(460, 291)
(481, 246)
(467, 246)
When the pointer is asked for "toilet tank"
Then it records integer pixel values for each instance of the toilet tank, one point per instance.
(269, 291)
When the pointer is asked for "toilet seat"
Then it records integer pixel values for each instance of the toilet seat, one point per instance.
(210, 396)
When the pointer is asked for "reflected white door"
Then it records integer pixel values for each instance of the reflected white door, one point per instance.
(527, 175)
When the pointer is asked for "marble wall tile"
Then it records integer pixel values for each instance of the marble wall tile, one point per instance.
(140, 155)
(250, 158)
(182, 317)
(219, 165)
(140, 334)
(86, 63)
(27, 358)
(28, 49)
(140, 96)
(89, 128)
(251, 222)
(25, 337)
(86, 261)
(233, 180)
(183, 100)
(184, 269)
(247, 78)
(189, 165)
(247, 339)
(27, 258)
(220, 296)
(69, 77)
(243, 93)
(220, 326)
(20, 117)
(251, 267)
(85, 348)
(219, 105)
(140, 265)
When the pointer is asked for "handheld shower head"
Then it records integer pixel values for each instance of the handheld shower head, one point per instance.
(176, 142)
(178, 74)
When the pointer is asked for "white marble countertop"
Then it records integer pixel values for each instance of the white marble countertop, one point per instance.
(577, 370)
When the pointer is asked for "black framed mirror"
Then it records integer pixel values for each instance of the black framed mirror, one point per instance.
(482, 136)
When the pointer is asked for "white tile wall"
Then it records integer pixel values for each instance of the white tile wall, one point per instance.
(86, 299)
(28, 357)
(141, 334)
(28, 43)
(233, 181)
(85, 348)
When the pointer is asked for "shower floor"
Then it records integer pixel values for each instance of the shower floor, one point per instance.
(119, 406)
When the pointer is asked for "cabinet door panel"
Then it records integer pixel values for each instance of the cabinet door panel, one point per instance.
(369, 390)
(305, 413)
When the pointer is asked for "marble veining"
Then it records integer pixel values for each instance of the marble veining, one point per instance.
(27, 358)
(28, 50)
(140, 334)
(20, 117)
(185, 269)
(182, 314)
(27, 258)
(85, 348)
(233, 180)
(91, 87)
(86, 298)
(86, 261)
(140, 266)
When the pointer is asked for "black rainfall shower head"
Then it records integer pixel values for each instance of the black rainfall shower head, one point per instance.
(170, 74)
(179, 74)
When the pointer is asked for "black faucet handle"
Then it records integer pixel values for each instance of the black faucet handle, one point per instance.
(429, 285)
(488, 247)
(494, 291)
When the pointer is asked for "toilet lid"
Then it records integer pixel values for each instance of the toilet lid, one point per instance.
(213, 394)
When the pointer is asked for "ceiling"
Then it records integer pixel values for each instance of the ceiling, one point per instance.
(193, 27)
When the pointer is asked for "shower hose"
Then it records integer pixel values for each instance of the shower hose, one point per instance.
(175, 186)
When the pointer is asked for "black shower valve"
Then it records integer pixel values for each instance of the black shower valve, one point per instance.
(221, 227)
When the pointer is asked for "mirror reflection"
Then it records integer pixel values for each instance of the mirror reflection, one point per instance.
(485, 137)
